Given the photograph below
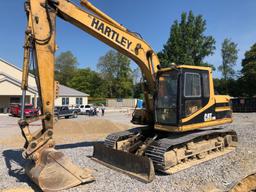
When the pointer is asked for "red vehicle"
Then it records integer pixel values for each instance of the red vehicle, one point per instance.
(30, 111)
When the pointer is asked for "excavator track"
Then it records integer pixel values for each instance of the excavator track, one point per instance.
(111, 139)
(174, 152)
(181, 151)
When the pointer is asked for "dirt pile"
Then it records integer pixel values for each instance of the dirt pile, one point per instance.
(70, 131)
(92, 129)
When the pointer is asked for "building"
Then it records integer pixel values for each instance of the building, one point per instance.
(131, 103)
(71, 97)
(10, 91)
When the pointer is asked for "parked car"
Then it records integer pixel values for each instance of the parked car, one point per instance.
(82, 109)
(64, 111)
(88, 109)
(29, 111)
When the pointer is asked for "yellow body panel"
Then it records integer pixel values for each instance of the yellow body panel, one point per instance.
(222, 98)
(192, 126)
(219, 109)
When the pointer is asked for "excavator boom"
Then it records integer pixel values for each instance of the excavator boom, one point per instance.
(49, 168)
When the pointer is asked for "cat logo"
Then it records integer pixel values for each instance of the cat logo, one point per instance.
(209, 117)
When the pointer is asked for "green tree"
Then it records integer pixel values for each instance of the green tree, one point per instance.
(187, 43)
(138, 91)
(233, 86)
(107, 67)
(229, 53)
(248, 72)
(65, 67)
(88, 81)
(137, 84)
(115, 70)
(137, 76)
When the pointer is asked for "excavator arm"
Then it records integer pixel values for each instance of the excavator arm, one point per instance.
(49, 168)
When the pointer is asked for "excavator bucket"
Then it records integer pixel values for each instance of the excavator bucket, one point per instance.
(139, 167)
(247, 184)
(56, 172)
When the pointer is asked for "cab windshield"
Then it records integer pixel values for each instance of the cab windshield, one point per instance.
(166, 102)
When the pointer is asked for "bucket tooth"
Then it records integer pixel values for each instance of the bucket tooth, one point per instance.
(56, 172)
(139, 167)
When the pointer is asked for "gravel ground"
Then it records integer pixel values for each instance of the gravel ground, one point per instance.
(218, 173)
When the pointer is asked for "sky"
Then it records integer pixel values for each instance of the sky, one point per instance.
(233, 19)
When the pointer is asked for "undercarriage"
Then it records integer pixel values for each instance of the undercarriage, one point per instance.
(135, 150)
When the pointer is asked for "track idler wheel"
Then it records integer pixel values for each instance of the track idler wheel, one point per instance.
(55, 172)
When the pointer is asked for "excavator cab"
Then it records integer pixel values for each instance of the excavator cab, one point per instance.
(185, 96)
(184, 100)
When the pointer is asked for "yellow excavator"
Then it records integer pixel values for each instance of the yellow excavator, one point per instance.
(180, 115)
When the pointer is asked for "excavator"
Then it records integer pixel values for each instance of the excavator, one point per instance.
(178, 125)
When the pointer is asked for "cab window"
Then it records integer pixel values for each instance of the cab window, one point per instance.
(206, 86)
(192, 93)
(192, 85)
(166, 109)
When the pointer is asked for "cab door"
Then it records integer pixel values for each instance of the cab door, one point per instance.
(195, 93)
(166, 103)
